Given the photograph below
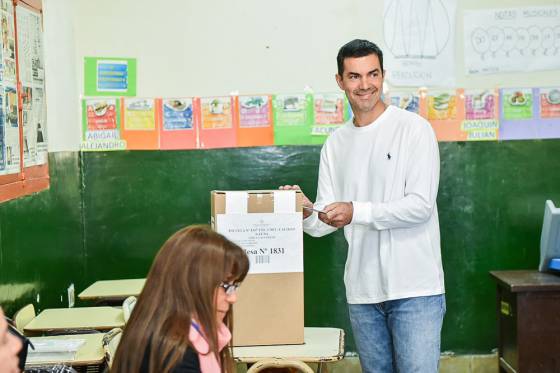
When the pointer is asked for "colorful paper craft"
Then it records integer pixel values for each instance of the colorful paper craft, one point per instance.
(217, 123)
(140, 123)
(255, 120)
(516, 114)
(179, 127)
(481, 115)
(330, 111)
(293, 118)
(101, 125)
(445, 112)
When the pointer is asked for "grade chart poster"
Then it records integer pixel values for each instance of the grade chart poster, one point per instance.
(511, 39)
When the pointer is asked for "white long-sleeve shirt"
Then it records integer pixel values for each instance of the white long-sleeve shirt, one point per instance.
(389, 170)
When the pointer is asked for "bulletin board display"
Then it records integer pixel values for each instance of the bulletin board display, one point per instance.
(23, 131)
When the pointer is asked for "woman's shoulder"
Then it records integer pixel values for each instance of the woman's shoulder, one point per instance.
(189, 363)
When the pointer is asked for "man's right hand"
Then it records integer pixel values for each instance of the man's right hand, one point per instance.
(306, 202)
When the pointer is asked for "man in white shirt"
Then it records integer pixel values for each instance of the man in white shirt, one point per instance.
(378, 179)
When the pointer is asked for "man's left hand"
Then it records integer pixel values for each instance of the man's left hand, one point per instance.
(337, 214)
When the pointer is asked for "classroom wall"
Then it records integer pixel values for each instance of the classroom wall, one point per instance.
(106, 214)
(491, 203)
(61, 76)
(204, 48)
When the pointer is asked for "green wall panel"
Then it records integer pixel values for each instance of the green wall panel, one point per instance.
(491, 203)
(107, 214)
(41, 247)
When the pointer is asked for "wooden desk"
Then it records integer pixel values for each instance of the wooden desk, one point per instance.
(321, 345)
(90, 353)
(528, 306)
(112, 289)
(60, 319)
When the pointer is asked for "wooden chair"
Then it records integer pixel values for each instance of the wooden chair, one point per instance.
(110, 343)
(24, 316)
(265, 364)
(128, 306)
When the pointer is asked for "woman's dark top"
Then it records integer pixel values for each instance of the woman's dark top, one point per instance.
(188, 364)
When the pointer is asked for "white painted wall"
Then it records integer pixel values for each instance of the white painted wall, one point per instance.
(61, 84)
(213, 47)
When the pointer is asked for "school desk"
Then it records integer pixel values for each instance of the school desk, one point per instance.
(89, 353)
(112, 290)
(322, 345)
(59, 319)
(528, 307)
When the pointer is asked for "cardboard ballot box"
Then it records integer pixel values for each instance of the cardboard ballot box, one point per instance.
(268, 226)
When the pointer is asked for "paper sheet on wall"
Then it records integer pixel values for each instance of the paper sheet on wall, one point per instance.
(9, 122)
(293, 117)
(11, 149)
(178, 123)
(255, 121)
(529, 113)
(512, 39)
(216, 112)
(254, 111)
(273, 242)
(140, 114)
(109, 76)
(31, 70)
(330, 113)
(217, 123)
(177, 114)
(419, 38)
(409, 101)
(445, 111)
(481, 115)
(101, 125)
(8, 42)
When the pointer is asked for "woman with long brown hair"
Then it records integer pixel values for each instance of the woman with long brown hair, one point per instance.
(181, 320)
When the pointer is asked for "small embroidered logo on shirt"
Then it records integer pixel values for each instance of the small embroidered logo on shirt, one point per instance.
(389, 156)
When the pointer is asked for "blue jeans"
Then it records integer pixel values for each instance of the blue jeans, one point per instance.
(401, 335)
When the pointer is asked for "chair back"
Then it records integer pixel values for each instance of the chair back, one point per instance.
(24, 316)
(266, 364)
(128, 306)
(110, 343)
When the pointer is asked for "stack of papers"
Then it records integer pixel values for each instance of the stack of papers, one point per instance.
(53, 350)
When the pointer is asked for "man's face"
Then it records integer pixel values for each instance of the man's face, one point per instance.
(362, 80)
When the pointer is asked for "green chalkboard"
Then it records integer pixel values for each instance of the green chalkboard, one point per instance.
(106, 215)
(491, 203)
(41, 248)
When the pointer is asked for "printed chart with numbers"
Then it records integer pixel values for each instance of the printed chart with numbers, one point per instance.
(513, 39)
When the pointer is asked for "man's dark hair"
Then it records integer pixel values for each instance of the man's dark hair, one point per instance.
(358, 48)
